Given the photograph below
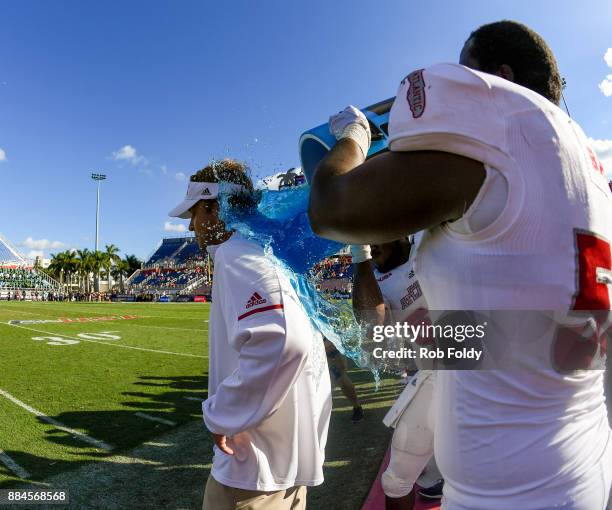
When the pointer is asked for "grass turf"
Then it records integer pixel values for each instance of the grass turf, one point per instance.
(95, 384)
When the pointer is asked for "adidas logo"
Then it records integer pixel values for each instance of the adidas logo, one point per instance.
(255, 300)
(206, 192)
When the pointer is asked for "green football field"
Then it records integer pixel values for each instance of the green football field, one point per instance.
(81, 383)
(113, 381)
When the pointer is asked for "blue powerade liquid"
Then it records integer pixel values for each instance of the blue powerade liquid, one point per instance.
(280, 224)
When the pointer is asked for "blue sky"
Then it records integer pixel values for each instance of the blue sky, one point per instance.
(148, 91)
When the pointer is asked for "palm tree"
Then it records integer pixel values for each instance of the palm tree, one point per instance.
(98, 261)
(70, 265)
(55, 267)
(83, 268)
(120, 270)
(287, 179)
(62, 266)
(134, 264)
(111, 259)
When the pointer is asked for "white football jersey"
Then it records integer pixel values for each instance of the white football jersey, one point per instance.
(529, 436)
(405, 301)
(401, 291)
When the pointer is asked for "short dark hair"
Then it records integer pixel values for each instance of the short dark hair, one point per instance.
(232, 171)
(525, 51)
(225, 170)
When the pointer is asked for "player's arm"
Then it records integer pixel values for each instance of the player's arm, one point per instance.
(368, 302)
(390, 195)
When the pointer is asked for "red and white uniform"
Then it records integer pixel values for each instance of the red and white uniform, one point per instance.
(268, 386)
(530, 437)
(412, 415)
(403, 296)
(401, 290)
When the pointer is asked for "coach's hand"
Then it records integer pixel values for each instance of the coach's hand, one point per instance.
(221, 442)
(352, 123)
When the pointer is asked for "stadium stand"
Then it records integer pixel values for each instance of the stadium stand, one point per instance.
(166, 250)
(335, 276)
(168, 279)
(189, 251)
(138, 277)
(12, 277)
(337, 267)
(177, 270)
(18, 279)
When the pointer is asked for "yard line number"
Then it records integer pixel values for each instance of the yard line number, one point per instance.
(56, 340)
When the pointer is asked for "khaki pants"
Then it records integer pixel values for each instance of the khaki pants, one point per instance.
(221, 497)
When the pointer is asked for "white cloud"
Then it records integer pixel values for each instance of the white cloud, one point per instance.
(174, 227)
(606, 86)
(164, 169)
(130, 154)
(608, 57)
(41, 244)
(180, 176)
(126, 152)
(2, 155)
(32, 254)
(603, 148)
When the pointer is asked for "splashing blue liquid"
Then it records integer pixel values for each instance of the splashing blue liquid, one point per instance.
(280, 224)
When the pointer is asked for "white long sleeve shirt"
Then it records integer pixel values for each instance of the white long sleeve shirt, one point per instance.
(268, 387)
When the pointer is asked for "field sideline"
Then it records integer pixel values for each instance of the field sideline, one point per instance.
(86, 386)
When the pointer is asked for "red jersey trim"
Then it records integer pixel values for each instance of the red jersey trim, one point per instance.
(262, 309)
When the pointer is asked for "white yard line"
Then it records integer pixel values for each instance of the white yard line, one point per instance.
(186, 445)
(106, 343)
(194, 398)
(80, 435)
(13, 466)
(155, 418)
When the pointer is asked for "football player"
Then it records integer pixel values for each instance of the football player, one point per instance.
(386, 289)
(516, 209)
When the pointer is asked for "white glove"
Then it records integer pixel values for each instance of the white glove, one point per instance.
(360, 253)
(352, 123)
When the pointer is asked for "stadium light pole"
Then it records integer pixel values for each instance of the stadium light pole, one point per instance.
(97, 177)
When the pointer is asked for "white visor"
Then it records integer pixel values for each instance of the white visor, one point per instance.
(197, 191)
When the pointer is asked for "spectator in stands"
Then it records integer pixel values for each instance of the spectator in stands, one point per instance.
(269, 398)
